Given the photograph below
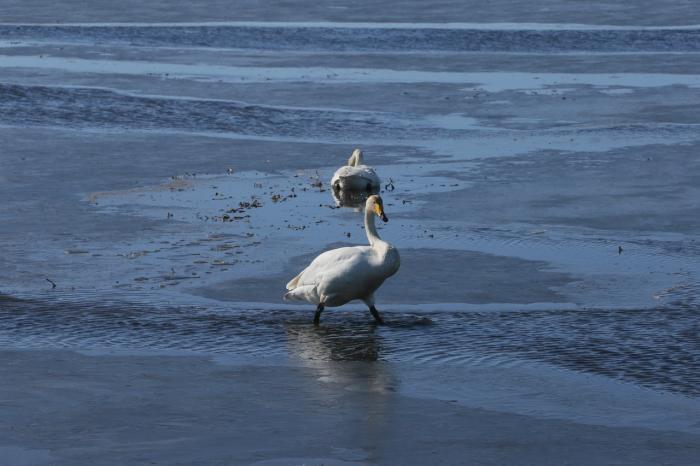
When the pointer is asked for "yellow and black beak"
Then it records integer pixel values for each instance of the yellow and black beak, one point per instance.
(379, 210)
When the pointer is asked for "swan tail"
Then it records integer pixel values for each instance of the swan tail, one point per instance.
(294, 281)
(302, 293)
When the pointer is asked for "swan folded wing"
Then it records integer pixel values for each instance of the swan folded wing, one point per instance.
(329, 266)
(365, 171)
(362, 171)
(372, 177)
(344, 171)
(341, 174)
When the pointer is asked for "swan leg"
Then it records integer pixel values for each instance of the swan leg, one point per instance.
(317, 316)
(375, 314)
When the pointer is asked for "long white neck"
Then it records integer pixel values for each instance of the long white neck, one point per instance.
(355, 158)
(370, 229)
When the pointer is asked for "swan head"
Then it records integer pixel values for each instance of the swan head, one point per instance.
(375, 204)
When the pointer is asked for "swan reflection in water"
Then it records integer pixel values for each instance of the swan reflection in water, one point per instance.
(351, 199)
(334, 342)
(346, 354)
(344, 360)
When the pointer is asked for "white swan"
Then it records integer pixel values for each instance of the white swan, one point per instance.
(355, 176)
(344, 274)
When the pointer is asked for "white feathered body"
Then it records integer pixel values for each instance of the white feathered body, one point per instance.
(341, 275)
(355, 178)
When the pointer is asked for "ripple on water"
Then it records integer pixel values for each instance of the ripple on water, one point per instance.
(657, 348)
(370, 37)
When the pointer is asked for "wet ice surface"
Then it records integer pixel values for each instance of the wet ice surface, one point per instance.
(517, 174)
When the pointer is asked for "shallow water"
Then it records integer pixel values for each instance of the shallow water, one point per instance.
(656, 348)
(318, 36)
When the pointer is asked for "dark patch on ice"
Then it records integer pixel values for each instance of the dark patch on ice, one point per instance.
(8, 298)
(425, 276)
(100, 108)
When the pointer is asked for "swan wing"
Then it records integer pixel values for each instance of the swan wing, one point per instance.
(341, 173)
(356, 177)
(336, 273)
(331, 263)
(312, 273)
(366, 172)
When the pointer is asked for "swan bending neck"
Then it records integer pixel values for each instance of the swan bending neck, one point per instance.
(355, 158)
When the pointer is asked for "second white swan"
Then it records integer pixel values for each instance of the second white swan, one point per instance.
(355, 176)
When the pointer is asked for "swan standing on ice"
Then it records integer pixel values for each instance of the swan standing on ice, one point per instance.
(355, 176)
(344, 274)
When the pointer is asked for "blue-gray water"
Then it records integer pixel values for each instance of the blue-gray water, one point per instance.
(359, 39)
